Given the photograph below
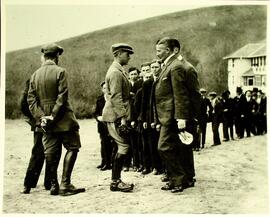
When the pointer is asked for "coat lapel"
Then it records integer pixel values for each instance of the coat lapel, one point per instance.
(165, 67)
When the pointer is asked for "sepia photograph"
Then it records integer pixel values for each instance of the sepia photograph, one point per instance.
(134, 107)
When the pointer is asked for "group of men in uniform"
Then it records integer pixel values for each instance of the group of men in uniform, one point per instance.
(143, 118)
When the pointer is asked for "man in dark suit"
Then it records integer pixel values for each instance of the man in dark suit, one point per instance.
(116, 112)
(177, 101)
(216, 116)
(205, 111)
(261, 120)
(135, 149)
(105, 139)
(228, 110)
(240, 103)
(49, 105)
(37, 155)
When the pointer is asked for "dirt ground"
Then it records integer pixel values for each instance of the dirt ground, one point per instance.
(231, 179)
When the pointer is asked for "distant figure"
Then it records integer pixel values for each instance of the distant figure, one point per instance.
(261, 113)
(250, 113)
(116, 112)
(228, 114)
(205, 112)
(49, 105)
(240, 107)
(216, 116)
(37, 155)
(105, 139)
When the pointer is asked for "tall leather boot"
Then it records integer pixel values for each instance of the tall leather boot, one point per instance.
(66, 188)
(52, 161)
(117, 184)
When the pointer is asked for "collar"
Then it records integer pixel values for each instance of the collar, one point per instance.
(48, 62)
(121, 68)
(118, 65)
(167, 59)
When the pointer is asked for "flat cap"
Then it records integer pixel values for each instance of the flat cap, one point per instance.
(213, 93)
(121, 46)
(52, 48)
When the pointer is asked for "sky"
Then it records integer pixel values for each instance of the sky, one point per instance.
(30, 23)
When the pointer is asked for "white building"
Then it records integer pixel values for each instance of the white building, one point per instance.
(247, 68)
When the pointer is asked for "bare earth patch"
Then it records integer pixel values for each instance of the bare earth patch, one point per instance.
(231, 179)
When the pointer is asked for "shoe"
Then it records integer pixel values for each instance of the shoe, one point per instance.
(146, 171)
(121, 186)
(164, 178)
(189, 184)
(26, 190)
(177, 189)
(225, 140)
(155, 172)
(54, 189)
(126, 169)
(100, 166)
(216, 144)
(106, 167)
(167, 187)
(140, 169)
(134, 169)
(68, 190)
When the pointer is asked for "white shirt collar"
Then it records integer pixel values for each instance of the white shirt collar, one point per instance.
(167, 59)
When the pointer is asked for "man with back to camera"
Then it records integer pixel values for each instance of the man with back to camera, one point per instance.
(49, 105)
(116, 111)
(177, 100)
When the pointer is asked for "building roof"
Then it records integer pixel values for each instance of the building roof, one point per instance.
(248, 73)
(249, 51)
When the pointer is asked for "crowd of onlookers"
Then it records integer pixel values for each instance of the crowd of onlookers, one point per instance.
(246, 112)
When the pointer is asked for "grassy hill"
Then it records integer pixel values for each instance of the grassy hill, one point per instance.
(207, 35)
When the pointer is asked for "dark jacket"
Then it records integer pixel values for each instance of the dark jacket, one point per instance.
(24, 107)
(48, 95)
(101, 127)
(177, 93)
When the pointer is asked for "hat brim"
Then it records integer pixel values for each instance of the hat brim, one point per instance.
(127, 50)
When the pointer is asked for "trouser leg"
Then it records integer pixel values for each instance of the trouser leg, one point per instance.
(225, 130)
(169, 153)
(35, 163)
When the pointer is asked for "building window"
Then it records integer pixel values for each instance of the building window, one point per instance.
(258, 80)
(248, 81)
(232, 63)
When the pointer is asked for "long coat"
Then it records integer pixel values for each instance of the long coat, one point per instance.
(117, 94)
(48, 95)
(177, 93)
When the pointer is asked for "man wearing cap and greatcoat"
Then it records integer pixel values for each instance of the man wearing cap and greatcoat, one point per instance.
(116, 111)
(177, 100)
(49, 104)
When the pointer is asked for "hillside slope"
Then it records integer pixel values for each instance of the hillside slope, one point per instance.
(207, 35)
